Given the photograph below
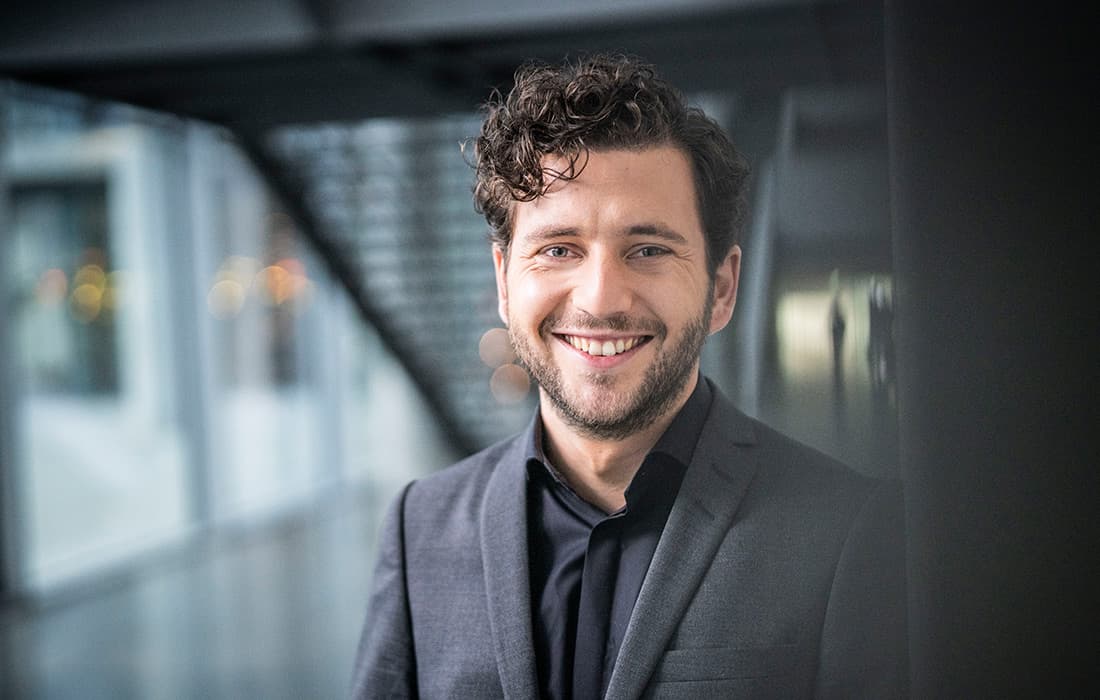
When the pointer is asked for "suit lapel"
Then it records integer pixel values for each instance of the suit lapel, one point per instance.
(719, 474)
(504, 553)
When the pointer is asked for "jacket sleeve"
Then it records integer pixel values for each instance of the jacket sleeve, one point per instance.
(864, 641)
(385, 665)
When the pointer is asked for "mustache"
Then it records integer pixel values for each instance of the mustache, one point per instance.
(615, 323)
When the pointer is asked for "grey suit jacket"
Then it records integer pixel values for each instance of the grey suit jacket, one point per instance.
(780, 574)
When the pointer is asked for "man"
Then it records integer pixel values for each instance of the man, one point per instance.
(642, 537)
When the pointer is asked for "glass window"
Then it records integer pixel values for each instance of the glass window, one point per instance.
(101, 472)
(260, 287)
(181, 353)
(65, 287)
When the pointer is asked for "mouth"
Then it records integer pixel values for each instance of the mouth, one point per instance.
(604, 346)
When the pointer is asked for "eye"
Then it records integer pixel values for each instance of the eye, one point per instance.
(649, 251)
(556, 251)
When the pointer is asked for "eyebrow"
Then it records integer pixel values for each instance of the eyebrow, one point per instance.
(657, 231)
(549, 233)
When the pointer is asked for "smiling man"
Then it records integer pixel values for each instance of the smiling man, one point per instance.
(642, 537)
(607, 295)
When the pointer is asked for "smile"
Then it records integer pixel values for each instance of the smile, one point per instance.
(601, 347)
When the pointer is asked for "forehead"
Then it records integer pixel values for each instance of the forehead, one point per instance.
(616, 189)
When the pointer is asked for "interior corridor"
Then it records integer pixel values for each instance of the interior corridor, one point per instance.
(262, 612)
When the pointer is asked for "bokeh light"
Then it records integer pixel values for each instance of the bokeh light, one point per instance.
(53, 285)
(509, 384)
(284, 281)
(281, 284)
(274, 284)
(86, 302)
(229, 291)
(90, 274)
(91, 293)
(225, 299)
(495, 349)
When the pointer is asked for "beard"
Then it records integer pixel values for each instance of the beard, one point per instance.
(622, 414)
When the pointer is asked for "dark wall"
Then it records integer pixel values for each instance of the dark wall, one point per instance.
(992, 152)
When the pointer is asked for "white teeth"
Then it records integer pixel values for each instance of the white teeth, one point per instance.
(605, 348)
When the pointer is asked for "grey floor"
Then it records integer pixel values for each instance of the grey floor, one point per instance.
(268, 612)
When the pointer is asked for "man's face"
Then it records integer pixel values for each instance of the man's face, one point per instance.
(605, 290)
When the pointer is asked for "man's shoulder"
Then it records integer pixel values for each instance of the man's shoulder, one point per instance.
(475, 468)
(804, 461)
(461, 486)
(794, 493)
(784, 462)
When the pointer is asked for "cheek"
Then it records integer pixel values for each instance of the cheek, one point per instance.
(680, 297)
(533, 300)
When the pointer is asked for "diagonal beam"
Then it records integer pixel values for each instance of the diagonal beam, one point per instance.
(291, 197)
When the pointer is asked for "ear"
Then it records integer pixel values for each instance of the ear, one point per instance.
(726, 278)
(499, 266)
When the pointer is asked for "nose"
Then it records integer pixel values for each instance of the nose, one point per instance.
(603, 287)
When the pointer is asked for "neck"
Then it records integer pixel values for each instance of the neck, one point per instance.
(601, 470)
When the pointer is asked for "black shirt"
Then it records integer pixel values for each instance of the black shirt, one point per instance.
(587, 566)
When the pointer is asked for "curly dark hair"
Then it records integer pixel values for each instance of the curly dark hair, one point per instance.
(601, 102)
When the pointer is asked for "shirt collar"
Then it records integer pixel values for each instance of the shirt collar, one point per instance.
(678, 441)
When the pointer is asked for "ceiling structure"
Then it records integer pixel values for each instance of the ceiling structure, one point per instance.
(256, 63)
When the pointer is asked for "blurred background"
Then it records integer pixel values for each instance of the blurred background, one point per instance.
(244, 298)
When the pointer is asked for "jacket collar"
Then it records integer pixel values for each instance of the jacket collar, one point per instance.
(504, 553)
(720, 472)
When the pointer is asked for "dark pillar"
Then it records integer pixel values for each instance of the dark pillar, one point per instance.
(993, 177)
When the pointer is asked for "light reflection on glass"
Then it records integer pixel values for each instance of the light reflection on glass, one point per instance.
(802, 330)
